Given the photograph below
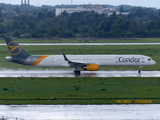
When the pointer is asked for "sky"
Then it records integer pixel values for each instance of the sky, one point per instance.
(143, 3)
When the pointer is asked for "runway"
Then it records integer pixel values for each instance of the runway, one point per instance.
(80, 112)
(85, 43)
(69, 73)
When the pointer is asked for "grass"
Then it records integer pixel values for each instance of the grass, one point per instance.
(77, 90)
(109, 40)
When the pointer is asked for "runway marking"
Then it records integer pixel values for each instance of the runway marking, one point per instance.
(134, 101)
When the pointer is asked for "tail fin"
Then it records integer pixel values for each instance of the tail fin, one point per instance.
(15, 49)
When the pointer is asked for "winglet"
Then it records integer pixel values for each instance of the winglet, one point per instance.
(59, 51)
(65, 58)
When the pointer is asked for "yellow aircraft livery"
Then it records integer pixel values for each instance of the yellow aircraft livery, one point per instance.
(84, 62)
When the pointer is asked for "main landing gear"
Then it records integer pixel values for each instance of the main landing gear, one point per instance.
(77, 72)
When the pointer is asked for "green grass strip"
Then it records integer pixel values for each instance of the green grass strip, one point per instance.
(78, 90)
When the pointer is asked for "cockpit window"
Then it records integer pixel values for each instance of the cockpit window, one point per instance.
(149, 59)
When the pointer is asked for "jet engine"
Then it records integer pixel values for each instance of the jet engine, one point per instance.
(91, 67)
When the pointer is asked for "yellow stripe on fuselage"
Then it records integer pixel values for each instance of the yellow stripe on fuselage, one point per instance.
(39, 60)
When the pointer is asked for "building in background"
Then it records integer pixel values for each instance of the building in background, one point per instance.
(8, 12)
(81, 8)
(96, 8)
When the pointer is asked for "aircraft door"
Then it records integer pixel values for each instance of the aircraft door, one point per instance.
(143, 60)
(52, 60)
(117, 59)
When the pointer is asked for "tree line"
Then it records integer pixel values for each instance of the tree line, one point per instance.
(42, 23)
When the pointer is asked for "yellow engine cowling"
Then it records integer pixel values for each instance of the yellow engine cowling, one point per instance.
(91, 67)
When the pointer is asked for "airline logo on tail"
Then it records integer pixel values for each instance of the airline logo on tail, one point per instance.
(14, 48)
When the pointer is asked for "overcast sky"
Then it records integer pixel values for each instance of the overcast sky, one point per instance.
(144, 3)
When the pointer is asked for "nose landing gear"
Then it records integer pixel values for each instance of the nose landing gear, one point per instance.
(140, 68)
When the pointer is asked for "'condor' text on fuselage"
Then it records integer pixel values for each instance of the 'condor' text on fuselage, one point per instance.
(129, 60)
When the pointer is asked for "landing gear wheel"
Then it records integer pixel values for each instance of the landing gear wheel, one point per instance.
(139, 71)
(77, 73)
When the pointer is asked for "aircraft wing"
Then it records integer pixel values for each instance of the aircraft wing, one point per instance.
(75, 63)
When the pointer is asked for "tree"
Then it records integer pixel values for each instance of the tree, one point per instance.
(2, 29)
(68, 34)
(17, 9)
(121, 9)
(40, 15)
(129, 34)
(141, 22)
(74, 27)
(101, 34)
(140, 11)
(54, 32)
(15, 24)
(0, 11)
(64, 13)
(32, 24)
(21, 24)
(120, 23)
(16, 33)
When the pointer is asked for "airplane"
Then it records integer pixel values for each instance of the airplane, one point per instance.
(84, 62)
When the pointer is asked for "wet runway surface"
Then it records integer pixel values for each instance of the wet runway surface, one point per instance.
(81, 112)
(69, 73)
(86, 43)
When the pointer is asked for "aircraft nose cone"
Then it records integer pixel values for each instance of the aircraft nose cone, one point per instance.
(154, 62)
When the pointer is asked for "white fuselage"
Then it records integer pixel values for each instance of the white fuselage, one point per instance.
(101, 60)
